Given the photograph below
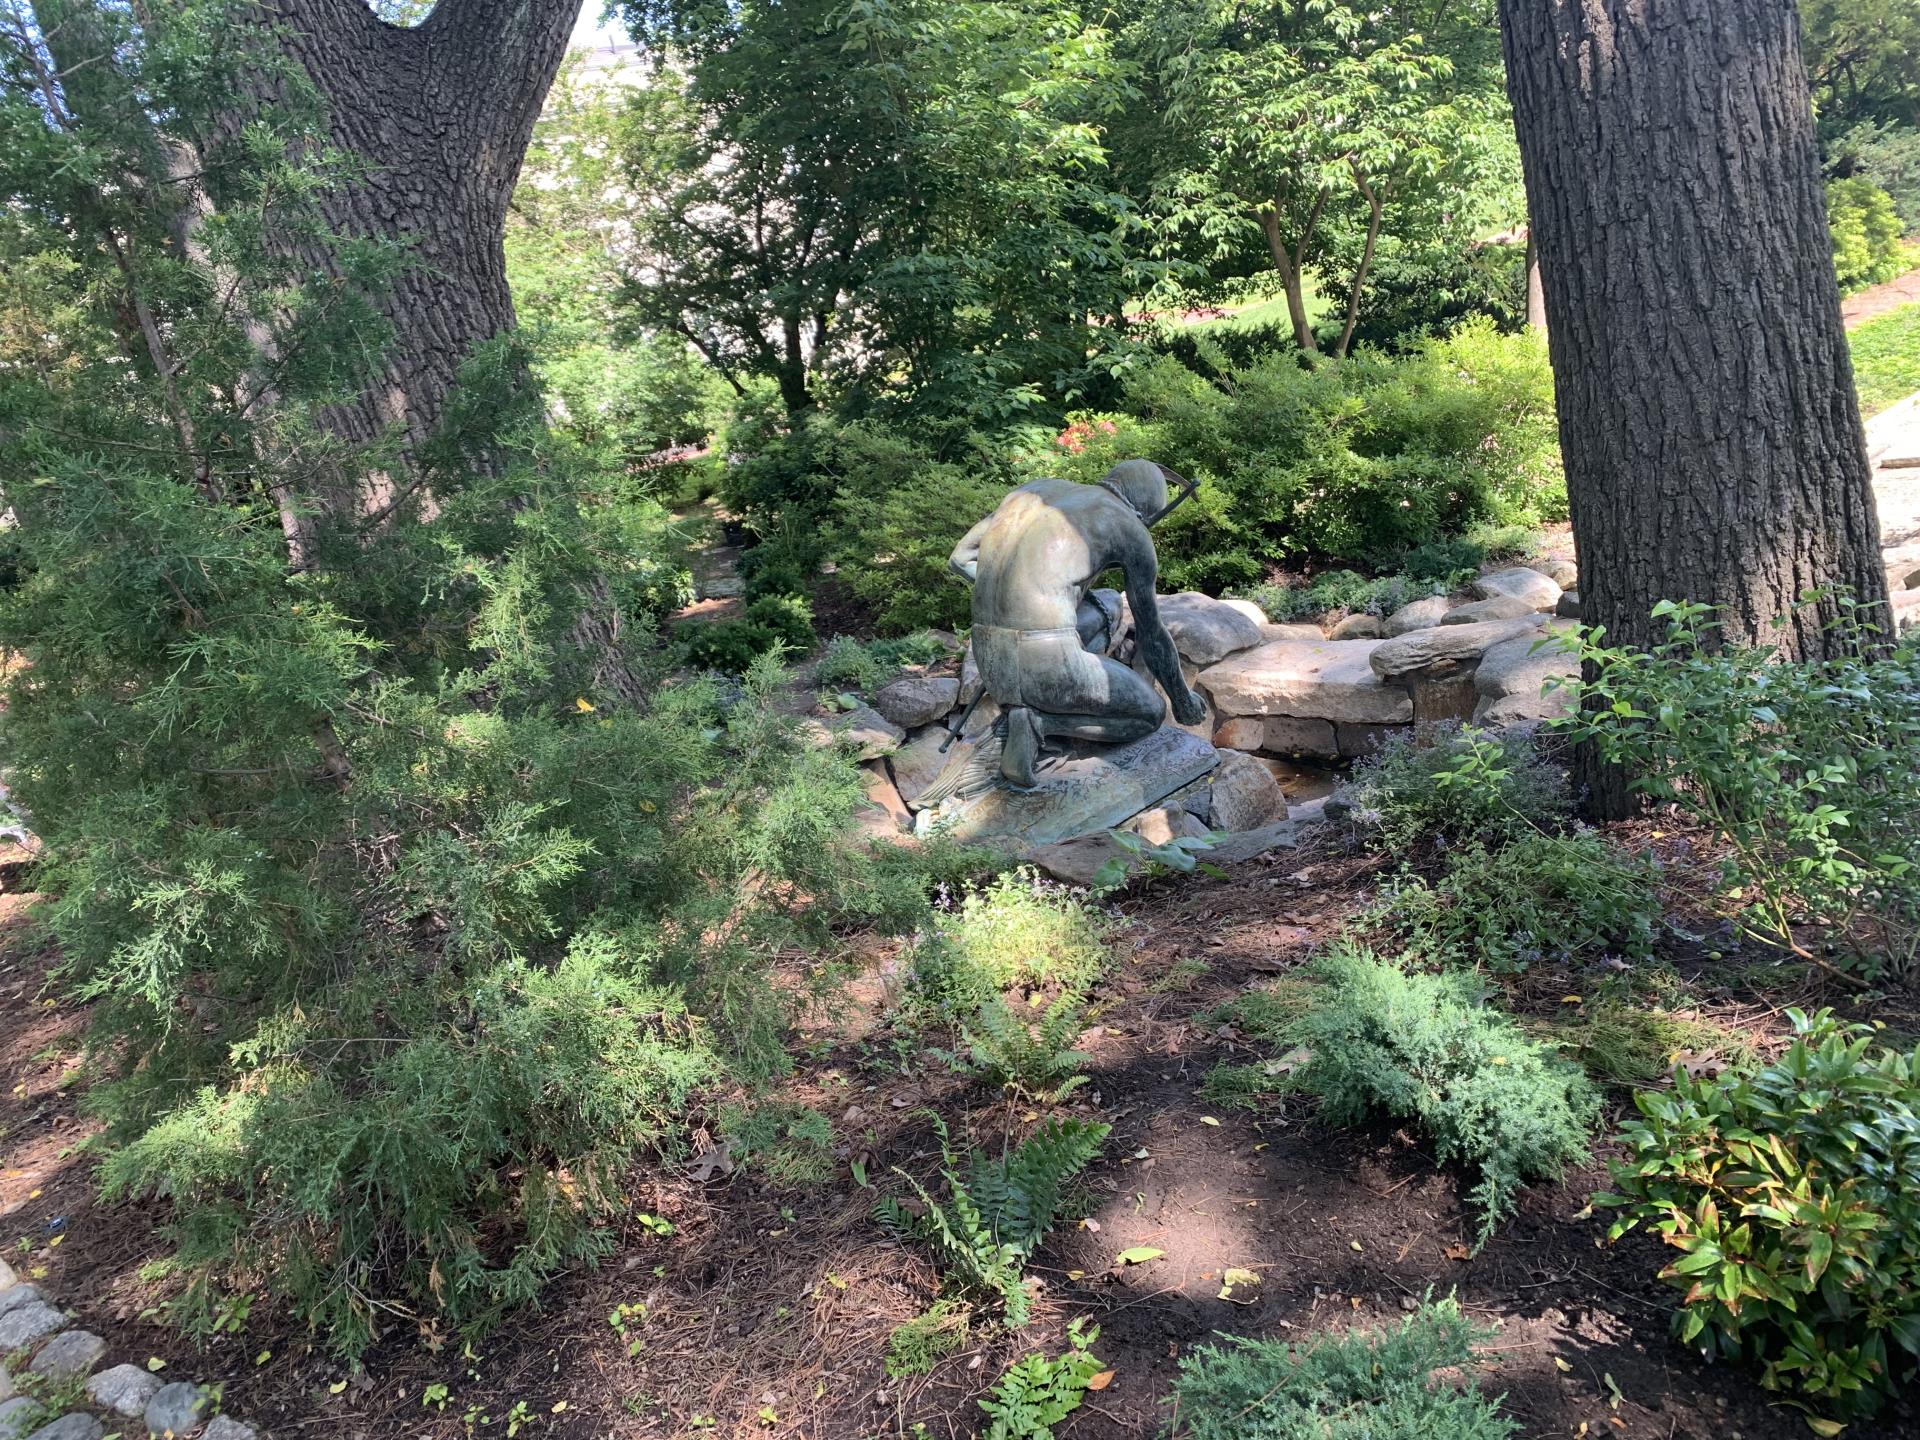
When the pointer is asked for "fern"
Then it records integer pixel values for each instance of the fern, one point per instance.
(998, 1215)
(1037, 1060)
(1037, 1393)
(918, 1345)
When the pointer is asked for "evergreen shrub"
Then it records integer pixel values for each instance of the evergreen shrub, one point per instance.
(1792, 1193)
(1427, 1048)
(1866, 233)
(1358, 1386)
(1467, 785)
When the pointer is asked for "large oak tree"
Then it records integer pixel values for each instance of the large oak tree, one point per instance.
(1708, 419)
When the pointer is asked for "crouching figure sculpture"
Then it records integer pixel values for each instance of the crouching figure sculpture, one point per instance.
(1044, 638)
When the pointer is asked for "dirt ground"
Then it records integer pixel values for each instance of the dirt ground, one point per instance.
(767, 1312)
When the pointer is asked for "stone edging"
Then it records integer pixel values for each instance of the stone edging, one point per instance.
(125, 1400)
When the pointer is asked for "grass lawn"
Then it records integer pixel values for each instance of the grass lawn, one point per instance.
(1886, 358)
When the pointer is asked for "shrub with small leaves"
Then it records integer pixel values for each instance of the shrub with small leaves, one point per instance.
(1470, 785)
(919, 1344)
(1018, 931)
(1427, 1048)
(1542, 896)
(998, 1213)
(792, 1145)
(1360, 1386)
(1037, 1393)
(1792, 1192)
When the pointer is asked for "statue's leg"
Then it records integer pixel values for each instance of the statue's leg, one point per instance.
(1080, 696)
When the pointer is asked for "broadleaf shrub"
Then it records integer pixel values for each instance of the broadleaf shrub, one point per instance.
(1016, 932)
(1792, 1192)
(1866, 233)
(1358, 1386)
(1808, 770)
(1468, 785)
(1425, 1047)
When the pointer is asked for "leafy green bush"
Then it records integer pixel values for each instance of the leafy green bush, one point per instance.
(851, 664)
(1541, 896)
(1426, 1048)
(1357, 1387)
(1470, 785)
(1362, 458)
(1016, 932)
(1037, 1393)
(1342, 592)
(998, 1214)
(1866, 233)
(791, 1144)
(1033, 1057)
(1810, 771)
(1889, 156)
(1792, 1192)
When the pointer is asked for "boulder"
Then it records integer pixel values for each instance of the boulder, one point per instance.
(1247, 608)
(179, 1409)
(7, 1278)
(12, 1297)
(1089, 788)
(916, 700)
(1511, 683)
(1442, 645)
(869, 732)
(915, 764)
(1562, 571)
(1359, 627)
(1568, 606)
(24, 1324)
(77, 1425)
(1206, 630)
(69, 1355)
(1312, 679)
(1311, 634)
(1500, 607)
(1165, 823)
(1418, 615)
(125, 1390)
(225, 1427)
(1242, 732)
(1539, 591)
(1286, 735)
(1245, 794)
(18, 1416)
(884, 814)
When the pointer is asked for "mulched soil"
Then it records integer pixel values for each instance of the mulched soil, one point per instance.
(767, 1312)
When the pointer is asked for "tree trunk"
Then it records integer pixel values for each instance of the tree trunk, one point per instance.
(440, 115)
(1708, 419)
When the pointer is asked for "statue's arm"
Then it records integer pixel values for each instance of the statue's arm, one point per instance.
(1142, 570)
(965, 560)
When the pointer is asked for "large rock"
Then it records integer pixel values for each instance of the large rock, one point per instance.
(18, 1416)
(1361, 626)
(1241, 732)
(12, 1297)
(1206, 630)
(75, 1426)
(1511, 683)
(24, 1324)
(915, 764)
(884, 815)
(1563, 572)
(7, 1278)
(1310, 679)
(1500, 607)
(125, 1390)
(1247, 608)
(1443, 645)
(1310, 634)
(1418, 615)
(1079, 860)
(1568, 607)
(225, 1427)
(916, 700)
(69, 1354)
(1443, 699)
(1245, 794)
(1165, 823)
(1539, 591)
(179, 1409)
(1289, 735)
(869, 732)
(1091, 788)
(1358, 741)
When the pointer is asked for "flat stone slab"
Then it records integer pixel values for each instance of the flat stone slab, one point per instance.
(1091, 788)
(1308, 679)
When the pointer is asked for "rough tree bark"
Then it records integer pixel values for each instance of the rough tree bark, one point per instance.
(1708, 418)
(440, 114)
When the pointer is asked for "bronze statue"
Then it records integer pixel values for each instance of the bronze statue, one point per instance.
(1043, 637)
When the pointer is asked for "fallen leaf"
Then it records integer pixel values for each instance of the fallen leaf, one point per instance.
(1208, 1120)
(1355, 1246)
(1100, 1381)
(339, 1387)
(1561, 1365)
(1569, 999)
(1824, 1427)
(1236, 1278)
(1457, 1251)
(1138, 1255)
(156, 1364)
(1076, 1274)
